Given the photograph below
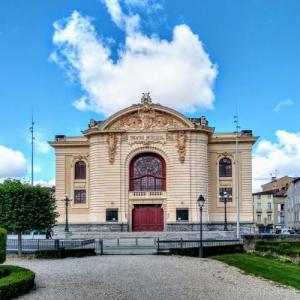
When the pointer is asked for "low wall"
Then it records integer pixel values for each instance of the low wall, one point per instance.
(246, 228)
(250, 239)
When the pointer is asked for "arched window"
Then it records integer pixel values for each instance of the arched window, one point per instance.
(80, 170)
(225, 167)
(148, 173)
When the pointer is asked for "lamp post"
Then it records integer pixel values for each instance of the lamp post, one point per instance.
(67, 200)
(201, 202)
(225, 198)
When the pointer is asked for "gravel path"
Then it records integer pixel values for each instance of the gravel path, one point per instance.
(146, 277)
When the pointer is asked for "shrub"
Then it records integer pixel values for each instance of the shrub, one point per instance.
(208, 251)
(284, 246)
(291, 248)
(16, 281)
(3, 234)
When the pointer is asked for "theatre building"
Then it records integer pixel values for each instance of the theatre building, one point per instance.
(144, 167)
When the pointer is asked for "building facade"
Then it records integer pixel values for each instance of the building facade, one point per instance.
(292, 205)
(144, 167)
(269, 205)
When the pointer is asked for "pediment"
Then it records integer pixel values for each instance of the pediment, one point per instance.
(148, 120)
(146, 116)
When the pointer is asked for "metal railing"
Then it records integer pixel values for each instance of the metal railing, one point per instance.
(163, 245)
(36, 245)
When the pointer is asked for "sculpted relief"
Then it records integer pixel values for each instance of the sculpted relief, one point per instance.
(147, 120)
(146, 117)
(112, 147)
(181, 145)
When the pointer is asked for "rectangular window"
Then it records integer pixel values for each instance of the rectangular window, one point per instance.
(112, 215)
(79, 196)
(258, 218)
(269, 206)
(182, 214)
(258, 197)
(258, 205)
(269, 219)
(225, 193)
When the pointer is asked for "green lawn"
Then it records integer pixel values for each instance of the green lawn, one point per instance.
(284, 273)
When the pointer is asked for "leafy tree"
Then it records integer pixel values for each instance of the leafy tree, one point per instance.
(25, 207)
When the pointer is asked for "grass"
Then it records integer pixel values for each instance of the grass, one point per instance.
(283, 273)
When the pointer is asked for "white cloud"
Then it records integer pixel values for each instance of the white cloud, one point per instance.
(178, 73)
(282, 104)
(12, 163)
(40, 144)
(81, 104)
(47, 183)
(283, 156)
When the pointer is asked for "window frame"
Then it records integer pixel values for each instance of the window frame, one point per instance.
(186, 210)
(81, 192)
(223, 171)
(110, 210)
(159, 182)
(229, 190)
(80, 171)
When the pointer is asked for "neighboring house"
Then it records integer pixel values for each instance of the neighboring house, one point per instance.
(292, 205)
(269, 205)
(277, 184)
(263, 206)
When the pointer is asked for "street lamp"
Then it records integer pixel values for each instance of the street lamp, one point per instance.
(225, 198)
(201, 202)
(67, 200)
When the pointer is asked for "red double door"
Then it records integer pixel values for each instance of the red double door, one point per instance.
(147, 218)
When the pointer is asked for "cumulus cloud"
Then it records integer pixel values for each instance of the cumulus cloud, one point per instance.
(40, 143)
(177, 72)
(12, 163)
(47, 183)
(81, 104)
(282, 104)
(282, 155)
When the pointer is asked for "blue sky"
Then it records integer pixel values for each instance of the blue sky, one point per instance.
(253, 45)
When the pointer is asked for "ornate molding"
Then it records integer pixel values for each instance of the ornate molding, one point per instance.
(76, 158)
(146, 117)
(112, 146)
(181, 145)
(224, 154)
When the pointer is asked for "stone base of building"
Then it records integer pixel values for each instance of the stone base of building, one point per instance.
(245, 228)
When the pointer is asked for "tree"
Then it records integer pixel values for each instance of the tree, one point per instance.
(25, 207)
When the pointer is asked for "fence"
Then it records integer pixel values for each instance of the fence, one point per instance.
(165, 245)
(35, 245)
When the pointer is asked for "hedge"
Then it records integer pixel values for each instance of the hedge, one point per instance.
(290, 248)
(16, 281)
(208, 251)
(3, 234)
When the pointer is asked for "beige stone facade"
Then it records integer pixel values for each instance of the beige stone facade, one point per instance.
(191, 151)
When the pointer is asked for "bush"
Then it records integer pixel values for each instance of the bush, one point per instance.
(291, 248)
(16, 281)
(3, 234)
(208, 251)
(284, 246)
